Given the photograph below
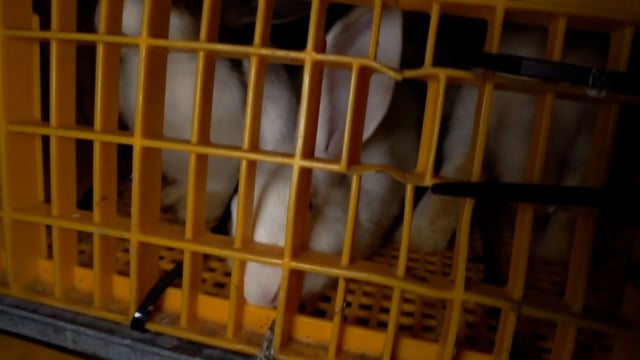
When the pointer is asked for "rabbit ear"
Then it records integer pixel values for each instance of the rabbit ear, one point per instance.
(350, 36)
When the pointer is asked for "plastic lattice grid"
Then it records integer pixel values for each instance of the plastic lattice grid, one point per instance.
(368, 305)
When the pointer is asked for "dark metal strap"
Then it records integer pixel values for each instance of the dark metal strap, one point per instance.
(148, 304)
(623, 197)
(546, 70)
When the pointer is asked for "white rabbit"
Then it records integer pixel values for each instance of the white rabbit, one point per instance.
(507, 147)
(393, 142)
(228, 108)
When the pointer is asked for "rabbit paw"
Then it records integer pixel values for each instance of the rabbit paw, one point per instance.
(434, 222)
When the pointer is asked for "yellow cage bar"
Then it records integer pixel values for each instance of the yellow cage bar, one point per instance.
(400, 304)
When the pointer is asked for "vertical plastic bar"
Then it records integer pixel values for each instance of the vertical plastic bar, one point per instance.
(336, 326)
(354, 124)
(352, 220)
(431, 39)
(244, 227)
(307, 126)
(434, 105)
(431, 128)
(461, 249)
(619, 53)
(401, 269)
(453, 314)
(291, 282)
(197, 179)
(317, 20)
(596, 175)
(145, 202)
(392, 325)
(524, 220)
(301, 177)
(105, 162)
(263, 23)
(244, 215)
(357, 105)
(22, 183)
(299, 195)
(252, 129)
(585, 227)
(191, 285)
(403, 254)
(63, 152)
(349, 238)
(200, 133)
(537, 151)
(375, 29)
(251, 136)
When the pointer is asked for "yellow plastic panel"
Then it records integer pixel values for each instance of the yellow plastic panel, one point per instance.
(21, 154)
(105, 193)
(401, 304)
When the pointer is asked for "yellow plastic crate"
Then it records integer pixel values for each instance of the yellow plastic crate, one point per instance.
(412, 305)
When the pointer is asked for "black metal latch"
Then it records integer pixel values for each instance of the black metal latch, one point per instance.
(594, 79)
(148, 304)
(620, 197)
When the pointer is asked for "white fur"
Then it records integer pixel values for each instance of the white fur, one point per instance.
(333, 109)
(510, 124)
(393, 142)
(228, 108)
